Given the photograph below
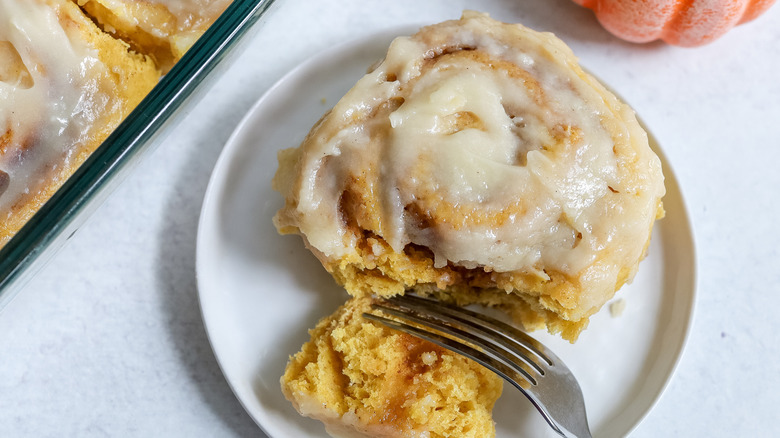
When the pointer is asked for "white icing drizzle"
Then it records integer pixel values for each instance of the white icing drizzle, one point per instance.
(194, 8)
(49, 119)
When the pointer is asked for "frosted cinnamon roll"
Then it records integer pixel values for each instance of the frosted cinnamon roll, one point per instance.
(64, 86)
(163, 29)
(479, 162)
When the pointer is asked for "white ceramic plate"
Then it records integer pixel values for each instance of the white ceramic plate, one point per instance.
(260, 292)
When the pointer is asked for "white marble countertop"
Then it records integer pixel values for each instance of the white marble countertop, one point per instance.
(107, 339)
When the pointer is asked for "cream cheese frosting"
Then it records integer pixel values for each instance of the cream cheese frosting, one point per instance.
(194, 13)
(50, 104)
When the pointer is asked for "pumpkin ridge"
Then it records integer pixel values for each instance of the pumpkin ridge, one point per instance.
(696, 27)
(754, 9)
(669, 32)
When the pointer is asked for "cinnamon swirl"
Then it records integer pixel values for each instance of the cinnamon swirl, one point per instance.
(163, 29)
(478, 162)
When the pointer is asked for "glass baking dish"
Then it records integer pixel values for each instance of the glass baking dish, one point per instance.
(59, 218)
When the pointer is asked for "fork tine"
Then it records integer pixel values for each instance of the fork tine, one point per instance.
(498, 366)
(474, 334)
(495, 326)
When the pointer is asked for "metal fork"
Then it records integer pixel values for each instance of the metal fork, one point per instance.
(521, 360)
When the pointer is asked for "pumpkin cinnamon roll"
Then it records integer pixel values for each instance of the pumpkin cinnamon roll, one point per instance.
(64, 86)
(163, 29)
(480, 163)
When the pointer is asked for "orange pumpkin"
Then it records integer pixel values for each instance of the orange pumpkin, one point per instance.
(680, 22)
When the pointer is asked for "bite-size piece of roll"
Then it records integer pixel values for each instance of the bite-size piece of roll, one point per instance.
(479, 162)
(362, 379)
(64, 86)
(162, 29)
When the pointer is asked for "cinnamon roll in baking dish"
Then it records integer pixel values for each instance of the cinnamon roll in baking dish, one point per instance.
(164, 29)
(64, 86)
(478, 162)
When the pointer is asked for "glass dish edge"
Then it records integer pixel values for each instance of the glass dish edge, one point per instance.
(57, 220)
